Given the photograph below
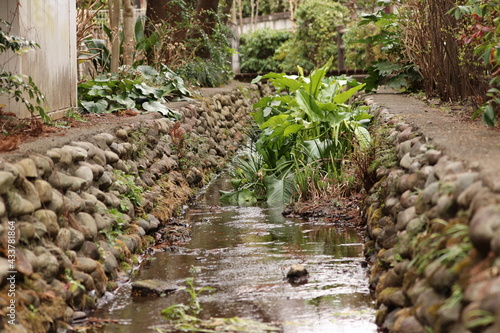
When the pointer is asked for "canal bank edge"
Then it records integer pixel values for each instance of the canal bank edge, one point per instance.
(433, 239)
(73, 218)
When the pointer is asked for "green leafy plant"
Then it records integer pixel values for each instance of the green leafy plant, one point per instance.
(307, 124)
(142, 88)
(393, 70)
(98, 53)
(205, 73)
(116, 229)
(483, 32)
(73, 284)
(181, 311)
(475, 319)
(20, 87)
(133, 191)
(432, 247)
(257, 50)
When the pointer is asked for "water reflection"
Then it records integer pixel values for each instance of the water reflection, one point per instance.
(244, 253)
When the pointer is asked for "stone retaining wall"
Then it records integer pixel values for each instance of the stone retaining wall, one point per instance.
(433, 240)
(72, 219)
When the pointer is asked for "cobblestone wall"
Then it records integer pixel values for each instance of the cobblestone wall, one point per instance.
(73, 218)
(433, 240)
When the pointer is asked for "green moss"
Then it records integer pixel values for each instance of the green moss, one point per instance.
(149, 240)
(135, 259)
(111, 286)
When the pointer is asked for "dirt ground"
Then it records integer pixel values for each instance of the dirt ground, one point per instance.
(30, 135)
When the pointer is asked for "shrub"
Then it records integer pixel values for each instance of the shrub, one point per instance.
(258, 48)
(314, 40)
(358, 54)
(392, 66)
(480, 23)
(305, 131)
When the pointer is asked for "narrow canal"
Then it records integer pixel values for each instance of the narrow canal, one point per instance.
(244, 253)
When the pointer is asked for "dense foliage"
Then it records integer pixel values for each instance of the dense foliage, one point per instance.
(184, 46)
(305, 133)
(482, 32)
(257, 50)
(313, 42)
(143, 88)
(449, 48)
(391, 67)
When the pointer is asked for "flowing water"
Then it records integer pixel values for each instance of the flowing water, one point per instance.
(244, 253)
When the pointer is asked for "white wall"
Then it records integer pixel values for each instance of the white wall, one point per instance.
(53, 66)
(278, 21)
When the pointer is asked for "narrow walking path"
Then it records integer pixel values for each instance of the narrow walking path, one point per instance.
(468, 141)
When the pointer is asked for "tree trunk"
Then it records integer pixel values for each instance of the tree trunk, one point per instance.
(226, 10)
(114, 24)
(167, 12)
(206, 11)
(206, 14)
(128, 32)
(252, 15)
(240, 15)
(293, 11)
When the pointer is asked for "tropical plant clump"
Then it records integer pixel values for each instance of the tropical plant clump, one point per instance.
(305, 133)
(182, 43)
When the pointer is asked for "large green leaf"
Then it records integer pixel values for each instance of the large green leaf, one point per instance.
(316, 79)
(149, 91)
(281, 81)
(386, 68)
(148, 72)
(328, 92)
(344, 97)
(126, 84)
(280, 191)
(98, 91)
(156, 106)
(489, 115)
(292, 129)
(100, 106)
(363, 136)
(275, 121)
(308, 104)
(124, 100)
(398, 82)
(317, 149)
(240, 197)
(139, 30)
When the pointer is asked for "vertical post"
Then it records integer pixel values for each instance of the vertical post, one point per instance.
(235, 45)
(341, 48)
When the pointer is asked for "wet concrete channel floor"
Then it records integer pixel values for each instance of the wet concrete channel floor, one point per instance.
(244, 253)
